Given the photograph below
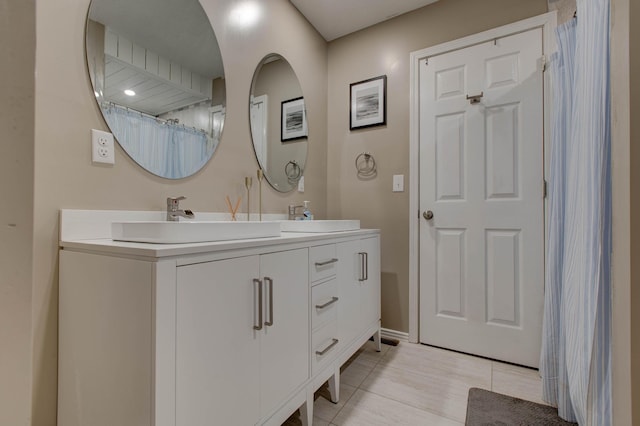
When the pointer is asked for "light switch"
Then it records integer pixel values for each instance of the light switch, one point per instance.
(398, 183)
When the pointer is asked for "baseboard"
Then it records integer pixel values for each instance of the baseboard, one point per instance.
(394, 334)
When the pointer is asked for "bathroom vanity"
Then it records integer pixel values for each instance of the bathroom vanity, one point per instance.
(238, 332)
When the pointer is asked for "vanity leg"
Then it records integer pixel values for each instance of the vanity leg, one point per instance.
(306, 411)
(377, 340)
(334, 386)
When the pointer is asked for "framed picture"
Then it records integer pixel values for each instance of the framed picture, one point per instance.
(368, 100)
(294, 120)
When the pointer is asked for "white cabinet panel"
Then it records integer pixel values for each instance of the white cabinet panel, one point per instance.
(349, 273)
(104, 341)
(284, 344)
(370, 299)
(359, 280)
(324, 303)
(322, 262)
(217, 349)
(324, 346)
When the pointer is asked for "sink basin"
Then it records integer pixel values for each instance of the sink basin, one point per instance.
(319, 225)
(191, 232)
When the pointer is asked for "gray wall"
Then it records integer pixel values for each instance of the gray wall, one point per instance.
(17, 86)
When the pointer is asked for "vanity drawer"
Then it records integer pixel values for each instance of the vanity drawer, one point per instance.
(324, 303)
(324, 346)
(322, 262)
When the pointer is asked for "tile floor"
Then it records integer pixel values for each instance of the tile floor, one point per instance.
(415, 385)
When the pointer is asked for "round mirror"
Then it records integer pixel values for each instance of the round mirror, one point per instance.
(158, 78)
(278, 122)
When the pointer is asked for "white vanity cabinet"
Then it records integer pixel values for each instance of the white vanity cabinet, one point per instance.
(210, 334)
(228, 316)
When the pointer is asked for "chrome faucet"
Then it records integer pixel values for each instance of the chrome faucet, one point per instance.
(292, 212)
(173, 209)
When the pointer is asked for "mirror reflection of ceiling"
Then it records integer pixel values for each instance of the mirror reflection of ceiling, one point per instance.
(177, 31)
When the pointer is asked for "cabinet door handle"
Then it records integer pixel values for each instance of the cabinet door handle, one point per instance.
(362, 266)
(327, 262)
(259, 283)
(333, 300)
(325, 350)
(270, 281)
(366, 266)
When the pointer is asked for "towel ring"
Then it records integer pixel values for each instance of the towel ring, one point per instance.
(293, 170)
(365, 164)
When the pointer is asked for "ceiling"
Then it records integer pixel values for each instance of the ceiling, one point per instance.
(337, 18)
(177, 30)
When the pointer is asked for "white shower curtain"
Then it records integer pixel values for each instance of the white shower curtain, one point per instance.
(167, 150)
(576, 350)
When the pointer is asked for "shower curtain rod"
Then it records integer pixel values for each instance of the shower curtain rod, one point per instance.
(168, 122)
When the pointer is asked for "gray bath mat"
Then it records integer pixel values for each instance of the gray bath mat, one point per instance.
(486, 408)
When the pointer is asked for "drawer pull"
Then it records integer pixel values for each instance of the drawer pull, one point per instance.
(327, 262)
(333, 300)
(325, 350)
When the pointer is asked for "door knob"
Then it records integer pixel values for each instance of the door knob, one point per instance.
(428, 215)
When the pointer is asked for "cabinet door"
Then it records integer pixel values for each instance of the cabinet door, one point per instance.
(217, 349)
(284, 345)
(349, 273)
(370, 296)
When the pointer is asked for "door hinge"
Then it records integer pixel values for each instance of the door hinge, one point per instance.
(426, 61)
(543, 62)
(544, 188)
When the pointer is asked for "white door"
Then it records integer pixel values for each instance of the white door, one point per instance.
(481, 177)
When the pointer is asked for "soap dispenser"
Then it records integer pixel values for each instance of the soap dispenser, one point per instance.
(306, 214)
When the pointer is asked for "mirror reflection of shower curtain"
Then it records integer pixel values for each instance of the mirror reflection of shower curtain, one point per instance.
(171, 151)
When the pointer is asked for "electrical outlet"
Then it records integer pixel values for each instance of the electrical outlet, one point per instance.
(102, 147)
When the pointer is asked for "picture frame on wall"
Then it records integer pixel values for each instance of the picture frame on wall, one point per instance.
(368, 103)
(294, 120)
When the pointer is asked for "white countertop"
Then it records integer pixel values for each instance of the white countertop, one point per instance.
(150, 250)
(90, 231)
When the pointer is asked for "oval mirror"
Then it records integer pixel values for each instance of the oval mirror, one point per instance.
(158, 78)
(278, 122)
